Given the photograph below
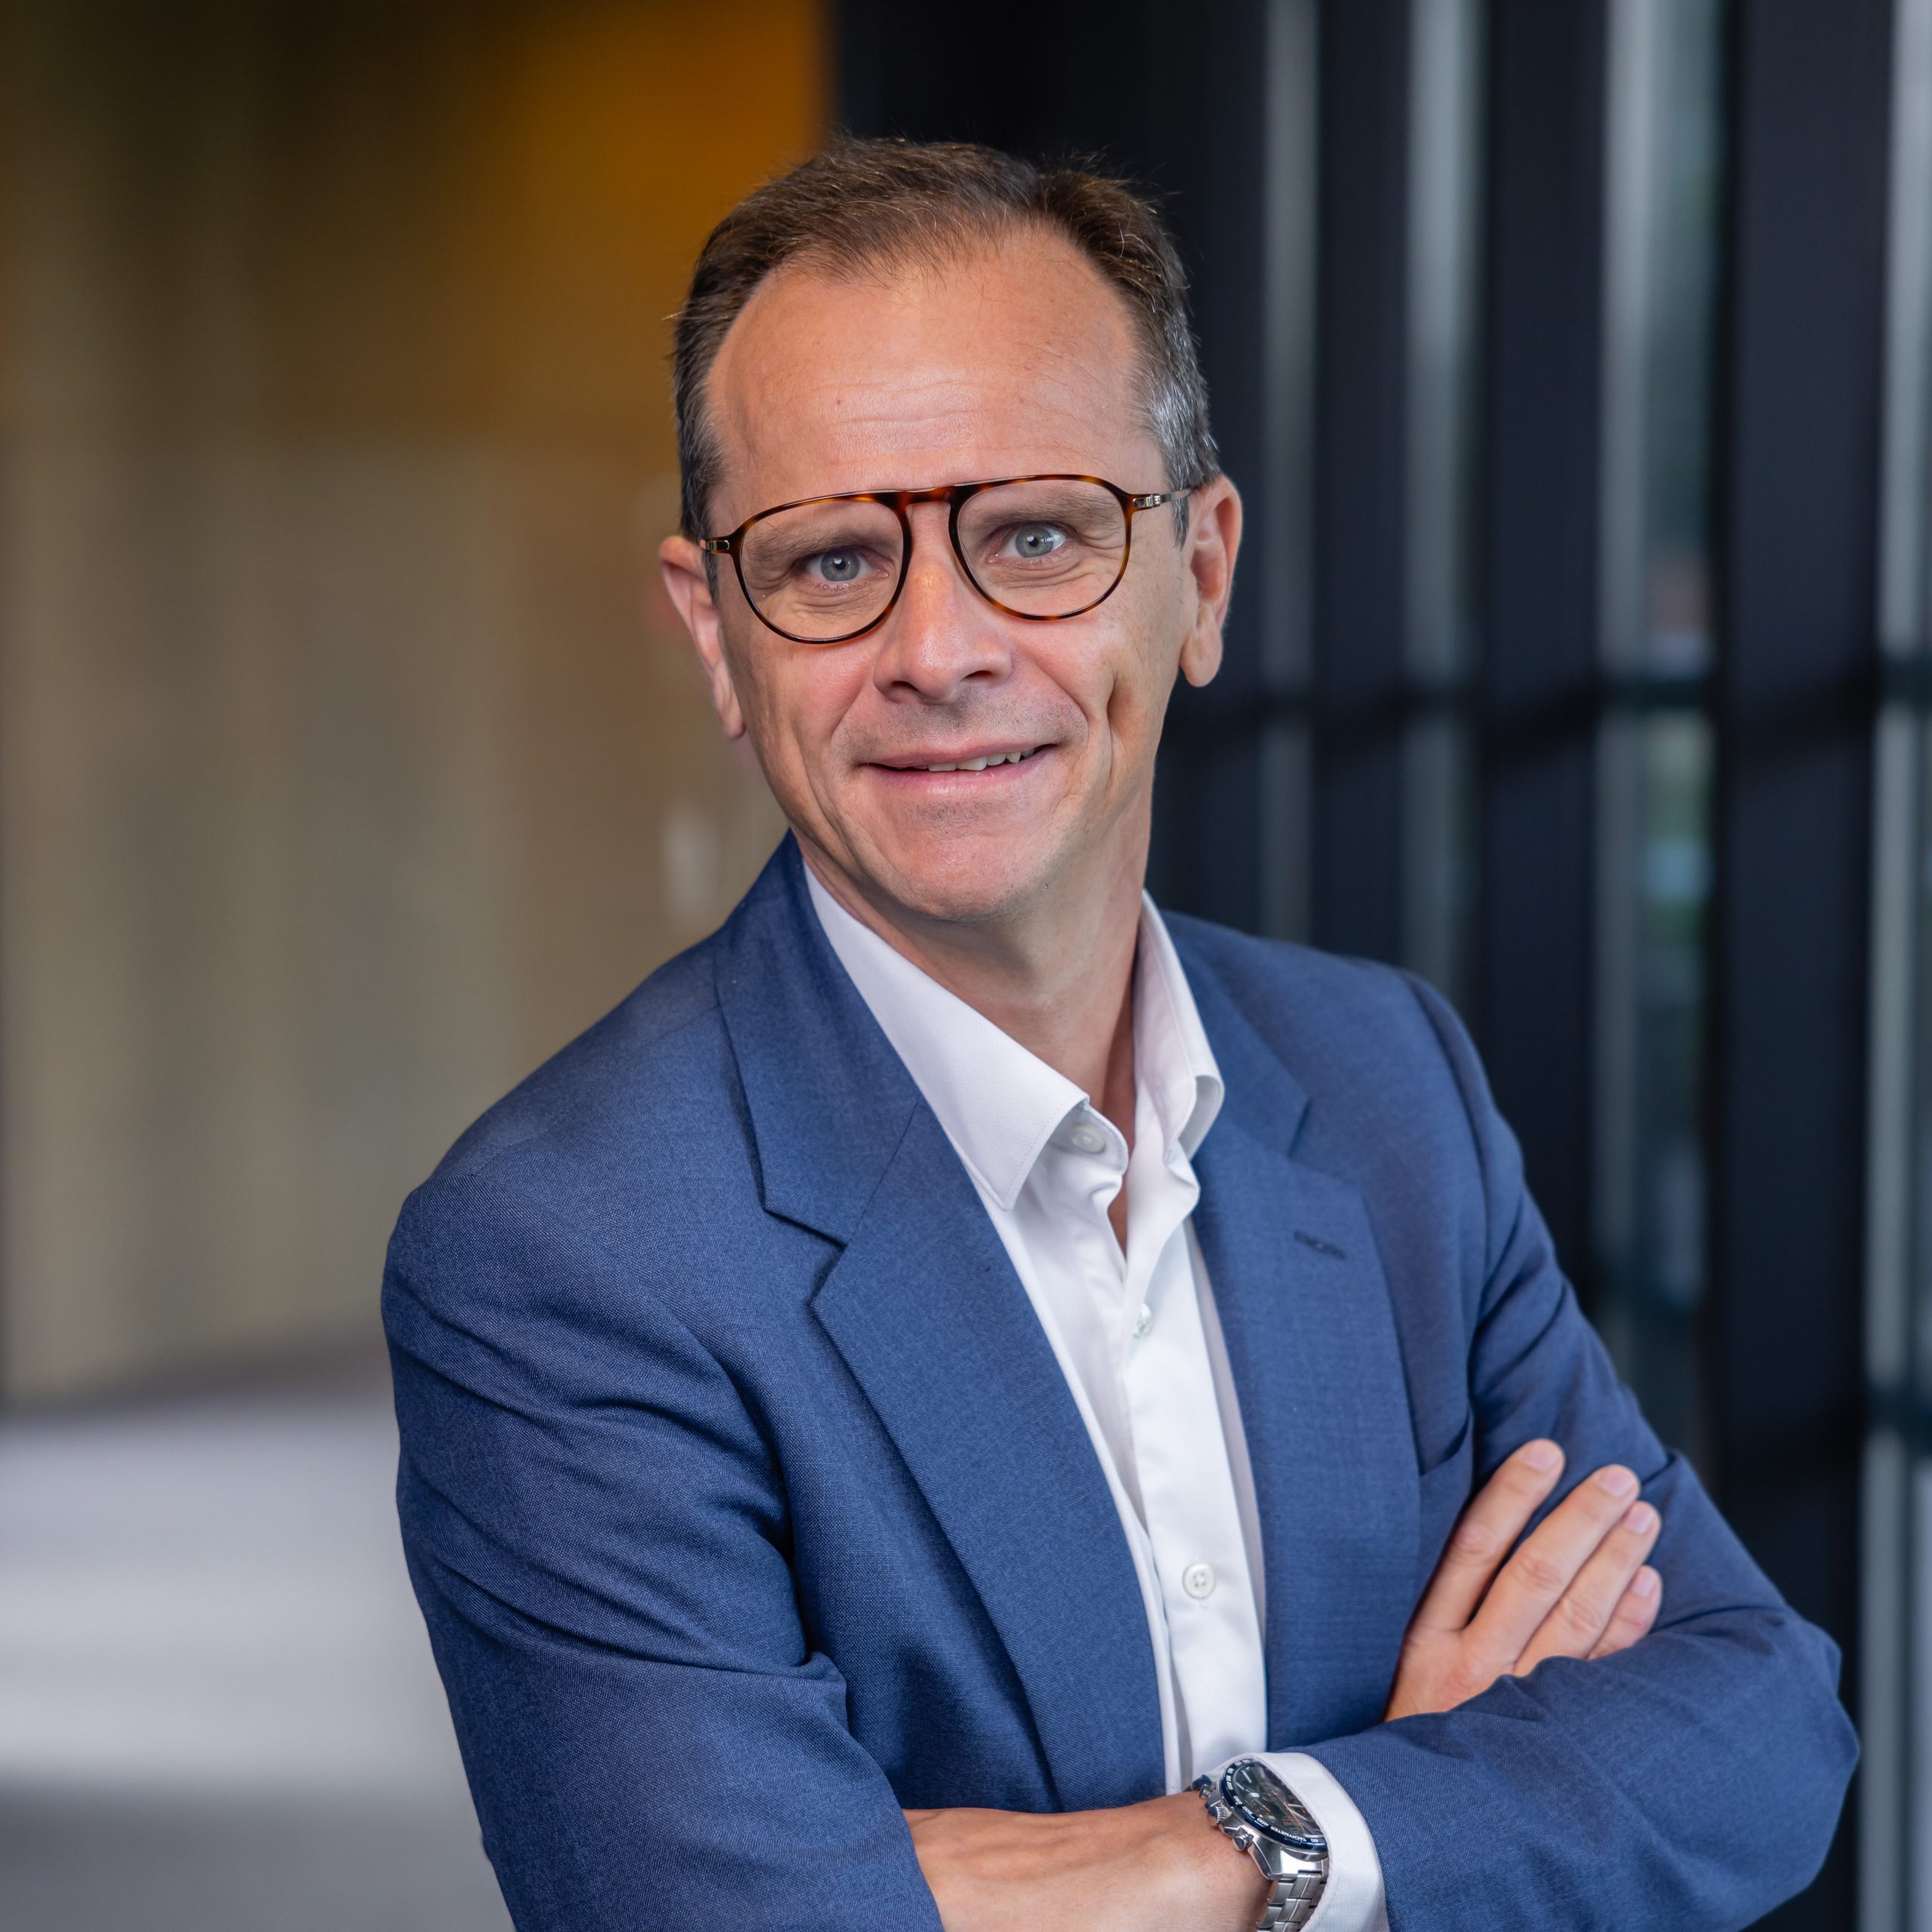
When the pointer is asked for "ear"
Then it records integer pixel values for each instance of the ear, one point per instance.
(687, 583)
(1212, 539)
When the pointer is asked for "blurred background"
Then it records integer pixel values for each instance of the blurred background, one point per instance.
(1575, 359)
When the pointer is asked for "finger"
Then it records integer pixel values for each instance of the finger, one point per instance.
(1635, 1615)
(1583, 1614)
(1531, 1584)
(1482, 1537)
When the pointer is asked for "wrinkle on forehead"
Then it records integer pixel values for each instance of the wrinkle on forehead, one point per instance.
(1011, 357)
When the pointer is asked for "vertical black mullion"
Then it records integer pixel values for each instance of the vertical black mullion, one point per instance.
(1360, 476)
(1208, 797)
(1538, 592)
(1798, 659)
(857, 62)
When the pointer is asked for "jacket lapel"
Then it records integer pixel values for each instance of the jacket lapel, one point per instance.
(924, 1308)
(828, 1098)
(1312, 1343)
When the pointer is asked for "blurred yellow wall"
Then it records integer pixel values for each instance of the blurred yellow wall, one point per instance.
(349, 760)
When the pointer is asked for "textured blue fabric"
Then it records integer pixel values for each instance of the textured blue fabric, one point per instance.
(746, 1503)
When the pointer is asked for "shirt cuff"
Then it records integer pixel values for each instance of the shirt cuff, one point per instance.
(1352, 1900)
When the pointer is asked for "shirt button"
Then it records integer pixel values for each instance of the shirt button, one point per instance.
(1198, 1580)
(1088, 1139)
(1143, 1321)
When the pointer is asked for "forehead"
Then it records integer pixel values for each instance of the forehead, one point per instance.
(1014, 358)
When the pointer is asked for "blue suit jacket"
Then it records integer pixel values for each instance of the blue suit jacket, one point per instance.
(746, 1503)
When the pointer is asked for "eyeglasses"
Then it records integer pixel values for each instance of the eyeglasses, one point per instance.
(829, 569)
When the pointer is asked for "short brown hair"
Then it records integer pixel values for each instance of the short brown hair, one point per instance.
(865, 203)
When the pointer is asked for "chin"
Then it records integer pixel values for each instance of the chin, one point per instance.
(965, 888)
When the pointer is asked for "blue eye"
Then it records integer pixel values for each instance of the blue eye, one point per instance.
(837, 566)
(1038, 540)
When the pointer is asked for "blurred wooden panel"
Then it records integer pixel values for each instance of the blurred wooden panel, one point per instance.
(349, 759)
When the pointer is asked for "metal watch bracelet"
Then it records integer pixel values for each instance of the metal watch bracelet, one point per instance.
(1296, 1878)
(1291, 1902)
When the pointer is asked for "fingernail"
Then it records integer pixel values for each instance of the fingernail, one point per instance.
(1544, 1457)
(1644, 1584)
(1617, 1482)
(1640, 1519)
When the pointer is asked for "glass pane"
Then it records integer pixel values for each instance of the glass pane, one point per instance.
(1918, 1780)
(1662, 164)
(1446, 110)
(1685, 185)
(1653, 1236)
(1910, 1400)
(1895, 1810)
(1663, 170)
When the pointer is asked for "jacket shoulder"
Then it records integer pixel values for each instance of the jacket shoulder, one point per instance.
(1330, 1018)
(623, 1166)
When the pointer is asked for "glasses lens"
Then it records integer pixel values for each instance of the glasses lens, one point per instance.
(823, 570)
(1045, 549)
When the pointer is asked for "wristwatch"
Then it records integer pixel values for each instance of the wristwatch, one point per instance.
(1272, 1826)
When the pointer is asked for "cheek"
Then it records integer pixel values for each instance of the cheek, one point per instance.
(797, 704)
(1128, 678)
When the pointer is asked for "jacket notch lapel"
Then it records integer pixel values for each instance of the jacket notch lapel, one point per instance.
(925, 1309)
(1305, 1310)
(1312, 1345)
(827, 1097)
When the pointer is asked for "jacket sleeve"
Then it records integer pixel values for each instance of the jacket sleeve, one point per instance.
(1689, 1783)
(598, 1536)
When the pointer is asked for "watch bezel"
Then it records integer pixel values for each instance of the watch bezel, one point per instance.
(1311, 1843)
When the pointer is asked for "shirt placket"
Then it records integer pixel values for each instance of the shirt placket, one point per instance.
(1091, 1163)
(1187, 1497)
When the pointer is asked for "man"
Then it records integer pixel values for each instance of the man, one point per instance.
(956, 1357)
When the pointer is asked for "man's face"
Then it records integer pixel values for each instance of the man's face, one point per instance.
(1013, 360)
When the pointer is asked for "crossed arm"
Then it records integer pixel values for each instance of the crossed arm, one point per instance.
(1577, 1586)
(1690, 1779)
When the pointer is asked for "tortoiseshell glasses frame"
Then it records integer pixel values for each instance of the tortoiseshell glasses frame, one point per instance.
(955, 496)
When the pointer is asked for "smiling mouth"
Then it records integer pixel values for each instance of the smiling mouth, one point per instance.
(975, 764)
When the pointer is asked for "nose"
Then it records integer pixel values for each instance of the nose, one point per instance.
(942, 636)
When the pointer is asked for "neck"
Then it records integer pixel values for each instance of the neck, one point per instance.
(1057, 976)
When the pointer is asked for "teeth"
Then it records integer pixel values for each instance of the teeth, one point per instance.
(980, 763)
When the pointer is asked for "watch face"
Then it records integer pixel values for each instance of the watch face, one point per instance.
(1268, 1805)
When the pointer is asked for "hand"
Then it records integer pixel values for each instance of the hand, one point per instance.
(1578, 1588)
(1162, 1866)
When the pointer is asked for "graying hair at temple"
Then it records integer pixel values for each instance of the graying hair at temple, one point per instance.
(865, 204)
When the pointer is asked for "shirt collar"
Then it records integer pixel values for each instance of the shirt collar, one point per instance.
(998, 1103)
(1171, 1050)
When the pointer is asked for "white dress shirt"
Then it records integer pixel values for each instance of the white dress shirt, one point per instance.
(1135, 1334)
